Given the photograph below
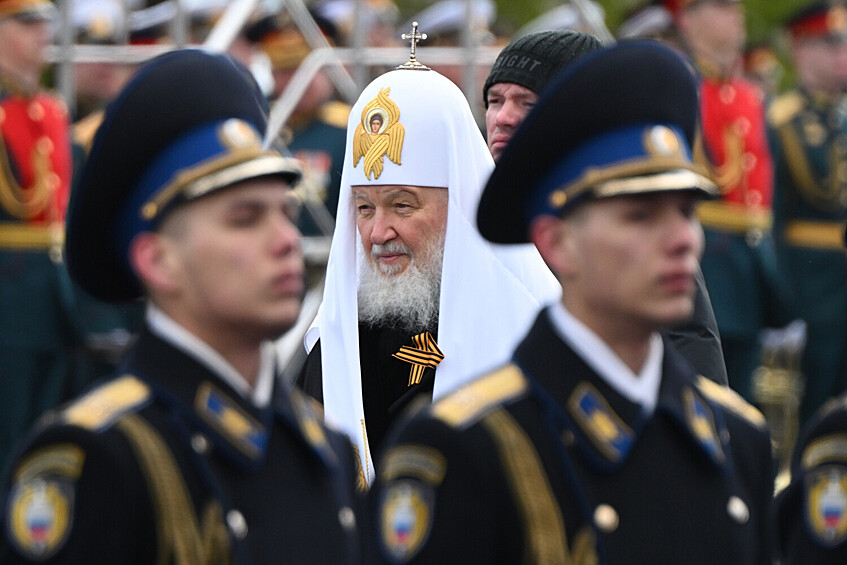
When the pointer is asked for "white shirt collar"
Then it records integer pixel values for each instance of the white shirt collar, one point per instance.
(641, 388)
(169, 330)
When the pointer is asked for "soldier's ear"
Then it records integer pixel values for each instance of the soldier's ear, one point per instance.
(152, 258)
(550, 236)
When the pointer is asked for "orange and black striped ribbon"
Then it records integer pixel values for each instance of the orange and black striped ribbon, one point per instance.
(425, 353)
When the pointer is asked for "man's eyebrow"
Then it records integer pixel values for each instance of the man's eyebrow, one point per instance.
(245, 203)
(525, 96)
(399, 192)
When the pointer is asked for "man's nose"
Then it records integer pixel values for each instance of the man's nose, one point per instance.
(684, 234)
(285, 237)
(383, 229)
(508, 115)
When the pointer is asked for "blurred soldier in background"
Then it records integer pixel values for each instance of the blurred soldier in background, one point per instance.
(98, 22)
(36, 331)
(653, 21)
(567, 16)
(763, 67)
(739, 262)
(105, 330)
(379, 18)
(812, 510)
(316, 131)
(809, 127)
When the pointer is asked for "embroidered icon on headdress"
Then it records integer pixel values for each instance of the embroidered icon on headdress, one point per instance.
(379, 134)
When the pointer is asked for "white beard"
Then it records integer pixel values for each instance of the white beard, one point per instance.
(407, 301)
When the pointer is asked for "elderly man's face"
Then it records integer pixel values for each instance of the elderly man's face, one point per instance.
(399, 224)
(508, 105)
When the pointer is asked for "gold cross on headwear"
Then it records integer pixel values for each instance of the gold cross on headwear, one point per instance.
(414, 37)
(424, 354)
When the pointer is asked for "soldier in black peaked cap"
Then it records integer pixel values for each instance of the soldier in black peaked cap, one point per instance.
(520, 73)
(194, 452)
(598, 443)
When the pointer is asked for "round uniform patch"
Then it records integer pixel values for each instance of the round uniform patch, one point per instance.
(39, 515)
(405, 519)
(826, 504)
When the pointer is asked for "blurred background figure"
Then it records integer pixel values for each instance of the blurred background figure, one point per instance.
(809, 127)
(316, 131)
(98, 22)
(202, 17)
(763, 67)
(653, 21)
(105, 330)
(585, 17)
(379, 18)
(35, 175)
(739, 262)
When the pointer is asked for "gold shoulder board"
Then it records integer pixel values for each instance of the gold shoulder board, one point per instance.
(469, 403)
(309, 414)
(731, 400)
(785, 108)
(105, 405)
(335, 114)
(84, 130)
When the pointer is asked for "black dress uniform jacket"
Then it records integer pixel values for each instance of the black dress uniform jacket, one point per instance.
(812, 510)
(542, 462)
(168, 464)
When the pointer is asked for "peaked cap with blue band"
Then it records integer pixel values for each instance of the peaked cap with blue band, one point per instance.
(618, 121)
(189, 123)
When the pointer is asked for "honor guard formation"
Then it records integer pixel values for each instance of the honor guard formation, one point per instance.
(338, 282)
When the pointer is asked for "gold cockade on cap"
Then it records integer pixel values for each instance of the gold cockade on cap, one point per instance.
(379, 134)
